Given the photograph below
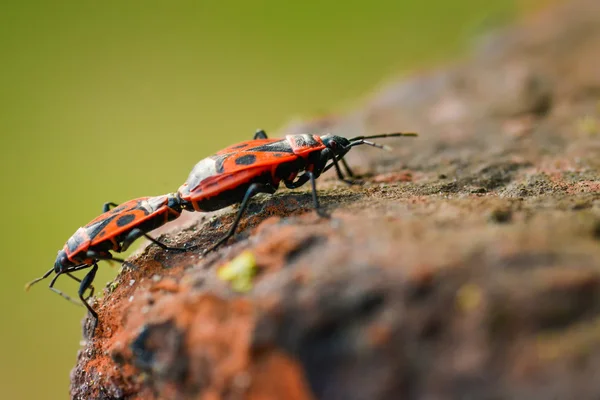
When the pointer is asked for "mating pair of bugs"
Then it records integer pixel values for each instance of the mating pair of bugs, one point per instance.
(233, 175)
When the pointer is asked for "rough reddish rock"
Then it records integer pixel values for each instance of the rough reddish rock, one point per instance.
(466, 266)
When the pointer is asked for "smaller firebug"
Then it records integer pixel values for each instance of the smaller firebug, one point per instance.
(114, 230)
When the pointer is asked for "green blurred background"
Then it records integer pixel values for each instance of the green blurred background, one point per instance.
(107, 101)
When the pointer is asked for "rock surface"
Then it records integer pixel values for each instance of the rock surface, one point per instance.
(466, 266)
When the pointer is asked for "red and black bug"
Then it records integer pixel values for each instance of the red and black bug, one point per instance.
(114, 230)
(237, 173)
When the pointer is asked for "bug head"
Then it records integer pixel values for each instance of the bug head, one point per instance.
(62, 262)
(338, 144)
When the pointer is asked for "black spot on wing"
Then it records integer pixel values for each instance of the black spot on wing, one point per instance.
(123, 206)
(94, 230)
(125, 220)
(247, 159)
(239, 146)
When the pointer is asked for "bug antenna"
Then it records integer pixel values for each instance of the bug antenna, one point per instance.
(41, 278)
(385, 135)
(362, 141)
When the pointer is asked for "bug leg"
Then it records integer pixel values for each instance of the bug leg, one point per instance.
(322, 166)
(302, 179)
(106, 207)
(340, 175)
(137, 233)
(260, 134)
(79, 280)
(349, 172)
(328, 166)
(86, 282)
(107, 257)
(162, 245)
(61, 293)
(315, 197)
(253, 189)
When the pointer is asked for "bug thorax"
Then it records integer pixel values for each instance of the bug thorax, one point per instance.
(338, 144)
(62, 262)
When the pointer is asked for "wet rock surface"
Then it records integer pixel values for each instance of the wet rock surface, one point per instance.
(466, 266)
